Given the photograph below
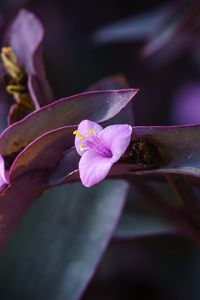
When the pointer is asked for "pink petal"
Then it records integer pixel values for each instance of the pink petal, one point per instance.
(3, 176)
(84, 127)
(93, 168)
(116, 138)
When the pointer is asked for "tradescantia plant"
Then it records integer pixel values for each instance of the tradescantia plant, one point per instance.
(39, 151)
(32, 147)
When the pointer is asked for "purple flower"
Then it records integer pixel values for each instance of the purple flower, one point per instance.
(99, 149)
(30, 149)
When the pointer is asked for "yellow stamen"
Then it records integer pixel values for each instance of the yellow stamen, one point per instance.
(92, 131)
(79, 136)
(10, 63)
(16, 85)
(13, 89)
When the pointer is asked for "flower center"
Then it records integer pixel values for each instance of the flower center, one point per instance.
(92, 142)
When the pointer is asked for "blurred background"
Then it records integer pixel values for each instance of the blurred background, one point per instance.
(155, 45)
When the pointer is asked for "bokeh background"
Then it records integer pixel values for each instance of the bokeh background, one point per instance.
(77, 54)
(76, 57)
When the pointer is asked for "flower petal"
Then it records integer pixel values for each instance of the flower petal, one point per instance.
(84, 129)
(3, 176)
(93, 168)
(116, 138)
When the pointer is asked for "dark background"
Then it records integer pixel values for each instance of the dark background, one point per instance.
(157, 267)
(74, 61)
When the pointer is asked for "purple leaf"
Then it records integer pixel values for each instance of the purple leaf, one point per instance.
(98, 106)
(181, 173)
(16, 198)
(70, 236)
(44, 152)
(44, 147)
(181, 143)
(67, 169)
(39, 157)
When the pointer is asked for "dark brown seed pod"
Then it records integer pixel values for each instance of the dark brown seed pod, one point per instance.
(144, 150)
